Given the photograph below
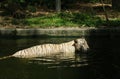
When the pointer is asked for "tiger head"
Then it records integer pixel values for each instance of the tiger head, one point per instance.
(81, 45)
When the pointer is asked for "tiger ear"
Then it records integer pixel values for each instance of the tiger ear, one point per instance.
(75, 41)
(73, 44)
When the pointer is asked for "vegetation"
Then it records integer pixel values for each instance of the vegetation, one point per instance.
(41, 13)
(63, 19)
(66, 19)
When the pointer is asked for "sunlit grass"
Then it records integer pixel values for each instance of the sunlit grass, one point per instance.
(62, 19)
(66, 20)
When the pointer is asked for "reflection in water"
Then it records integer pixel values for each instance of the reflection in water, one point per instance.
(54, 62)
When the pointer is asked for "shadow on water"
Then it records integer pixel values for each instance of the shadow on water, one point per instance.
(105, 53)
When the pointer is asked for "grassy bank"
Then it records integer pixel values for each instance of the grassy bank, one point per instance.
(60, 20)
(65, 19)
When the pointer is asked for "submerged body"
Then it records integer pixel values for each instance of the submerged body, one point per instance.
(47, 50)
(64, 50)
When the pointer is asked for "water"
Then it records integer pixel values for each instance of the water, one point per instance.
(101, 62)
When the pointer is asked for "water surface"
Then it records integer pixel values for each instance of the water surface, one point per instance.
(101, 62)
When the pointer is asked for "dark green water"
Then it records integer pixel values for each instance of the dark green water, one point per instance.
(101, 62)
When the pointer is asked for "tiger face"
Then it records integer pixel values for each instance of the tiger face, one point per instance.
(81, 44)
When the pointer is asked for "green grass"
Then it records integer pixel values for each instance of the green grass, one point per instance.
(63, 20)
(112, 23)
(66, 20)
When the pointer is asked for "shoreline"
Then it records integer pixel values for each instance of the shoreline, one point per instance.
(58, 31)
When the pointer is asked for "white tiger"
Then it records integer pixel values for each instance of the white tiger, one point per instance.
(45, 50)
